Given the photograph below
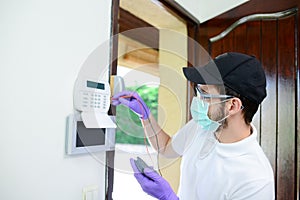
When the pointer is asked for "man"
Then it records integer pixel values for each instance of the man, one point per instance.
(221, 158)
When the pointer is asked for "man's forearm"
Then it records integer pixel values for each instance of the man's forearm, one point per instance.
(157, 137)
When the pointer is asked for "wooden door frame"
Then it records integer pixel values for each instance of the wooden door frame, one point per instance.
(192, 29)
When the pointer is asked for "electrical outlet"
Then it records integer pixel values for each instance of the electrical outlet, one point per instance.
(90, 192)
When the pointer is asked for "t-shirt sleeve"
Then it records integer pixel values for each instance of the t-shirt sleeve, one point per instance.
(183, 138)
(259, 189)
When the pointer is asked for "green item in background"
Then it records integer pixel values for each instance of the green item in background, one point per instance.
(130, 130)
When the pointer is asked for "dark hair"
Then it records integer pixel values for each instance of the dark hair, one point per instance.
(250, 107)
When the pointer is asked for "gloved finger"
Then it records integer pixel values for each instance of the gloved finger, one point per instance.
(124, 101)
(123, 93)
(151, 174)
(134, 167)
(136, 95)
(140, 177)
(115, 102)
(127, 94)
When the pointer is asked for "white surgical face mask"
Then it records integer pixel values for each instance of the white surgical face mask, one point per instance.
(199, 111)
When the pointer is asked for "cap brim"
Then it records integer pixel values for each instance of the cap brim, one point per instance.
(207, 75)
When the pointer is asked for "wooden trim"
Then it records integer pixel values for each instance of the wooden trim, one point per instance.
(128, 21)
(114, 36)
(297, 128)
(193, 60)
(109, 158)
(176, 8)
(254, 17)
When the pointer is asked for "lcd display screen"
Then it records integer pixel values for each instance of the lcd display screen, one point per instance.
(86, 137)
(95, 85)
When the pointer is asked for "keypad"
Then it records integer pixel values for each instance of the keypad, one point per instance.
(94, 100)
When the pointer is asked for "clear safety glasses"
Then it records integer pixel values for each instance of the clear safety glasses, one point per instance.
(205, 96)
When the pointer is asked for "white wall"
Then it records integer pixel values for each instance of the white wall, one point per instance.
(42, 47)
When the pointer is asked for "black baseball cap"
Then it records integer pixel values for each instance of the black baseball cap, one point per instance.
(240, 72)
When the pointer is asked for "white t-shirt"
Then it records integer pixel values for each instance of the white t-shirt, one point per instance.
(213, 170)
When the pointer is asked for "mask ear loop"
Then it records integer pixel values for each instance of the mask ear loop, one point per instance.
(217, 137)
(241, 108)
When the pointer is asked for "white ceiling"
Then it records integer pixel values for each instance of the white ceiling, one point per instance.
(205, 10)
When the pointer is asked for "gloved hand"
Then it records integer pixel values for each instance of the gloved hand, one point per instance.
(133, 101)
(153, 184)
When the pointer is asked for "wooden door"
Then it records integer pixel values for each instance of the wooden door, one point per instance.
(273, 39)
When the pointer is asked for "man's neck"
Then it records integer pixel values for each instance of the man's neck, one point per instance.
(233, 132)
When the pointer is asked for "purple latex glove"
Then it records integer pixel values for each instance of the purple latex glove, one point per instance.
(133, 101)
(153, 184)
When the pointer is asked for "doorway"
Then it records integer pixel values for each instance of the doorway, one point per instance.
(152, 49)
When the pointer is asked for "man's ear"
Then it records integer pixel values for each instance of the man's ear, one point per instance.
(234, 105)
